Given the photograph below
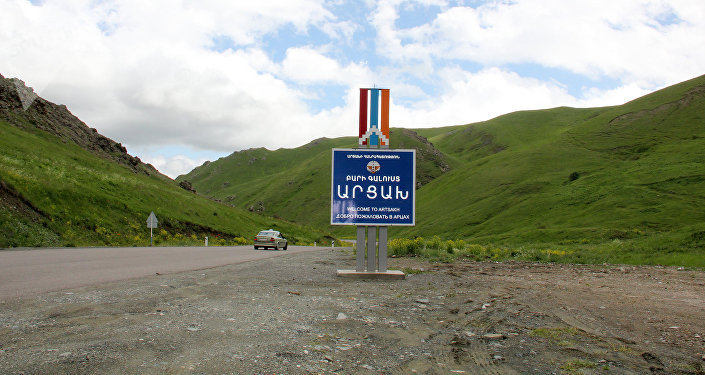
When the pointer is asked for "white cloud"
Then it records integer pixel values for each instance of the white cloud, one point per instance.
(308, 66)
(593, 97)
(152, 78)
(175, 165)
(220, 76)
(470, 97)
(618, 39)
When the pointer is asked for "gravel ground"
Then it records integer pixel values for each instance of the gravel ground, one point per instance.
(292, 315)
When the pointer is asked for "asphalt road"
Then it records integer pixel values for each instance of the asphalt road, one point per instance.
(26, 272)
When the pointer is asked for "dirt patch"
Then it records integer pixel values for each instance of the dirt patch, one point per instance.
(291, 314)
(692, 94)
(12, 200)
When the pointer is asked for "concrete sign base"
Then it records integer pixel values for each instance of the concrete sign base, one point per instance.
(387, 275)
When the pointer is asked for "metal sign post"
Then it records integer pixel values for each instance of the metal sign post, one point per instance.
(373, 187)
(152, 223)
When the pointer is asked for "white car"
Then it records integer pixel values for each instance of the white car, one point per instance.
(270, 238)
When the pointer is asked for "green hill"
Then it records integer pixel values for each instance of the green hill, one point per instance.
(295, 183)
(626, 182)
(63, 184)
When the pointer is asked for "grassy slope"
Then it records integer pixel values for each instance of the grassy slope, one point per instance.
(625, 180)
(639, 195)
(86, 200)
(290, 183)
(294, 183)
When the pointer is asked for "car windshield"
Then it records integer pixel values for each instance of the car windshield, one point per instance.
(268, 233)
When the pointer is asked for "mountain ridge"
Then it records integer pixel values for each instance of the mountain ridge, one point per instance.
(626, 177)
(64, 184)
(20, 106)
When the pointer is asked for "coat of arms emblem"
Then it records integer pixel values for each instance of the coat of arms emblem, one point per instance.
(373, 167)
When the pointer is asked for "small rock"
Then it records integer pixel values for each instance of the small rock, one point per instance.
(498, 357)
(368, 367)
(342, 316)
(460, 340)
(192, 329)
(328, 358)
(494, 336)
(674, 327)
(425, 301)
(65, 354)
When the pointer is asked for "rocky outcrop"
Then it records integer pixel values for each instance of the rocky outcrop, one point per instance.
(431, 162)
(22, 107)
(186, 185)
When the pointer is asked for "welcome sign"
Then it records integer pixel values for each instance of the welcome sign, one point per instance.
(373, 187)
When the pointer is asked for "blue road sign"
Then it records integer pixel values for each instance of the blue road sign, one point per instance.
(373, 187)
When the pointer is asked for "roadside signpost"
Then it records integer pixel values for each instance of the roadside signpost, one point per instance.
(152, 223)
(373, 187)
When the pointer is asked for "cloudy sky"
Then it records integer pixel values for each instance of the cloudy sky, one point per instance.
(181, 82)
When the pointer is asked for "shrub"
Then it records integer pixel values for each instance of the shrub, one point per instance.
(419, 243)
(435, 243)
(475, 251)
(449, 246)
(404, 246)
(500, 253)
(241, 241)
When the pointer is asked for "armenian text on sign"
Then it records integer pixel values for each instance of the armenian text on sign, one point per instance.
(373, 187)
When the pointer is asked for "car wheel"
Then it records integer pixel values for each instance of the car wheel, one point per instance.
(286, 246)
(256, 247)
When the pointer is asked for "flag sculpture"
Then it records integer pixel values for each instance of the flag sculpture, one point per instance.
(374, 110)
